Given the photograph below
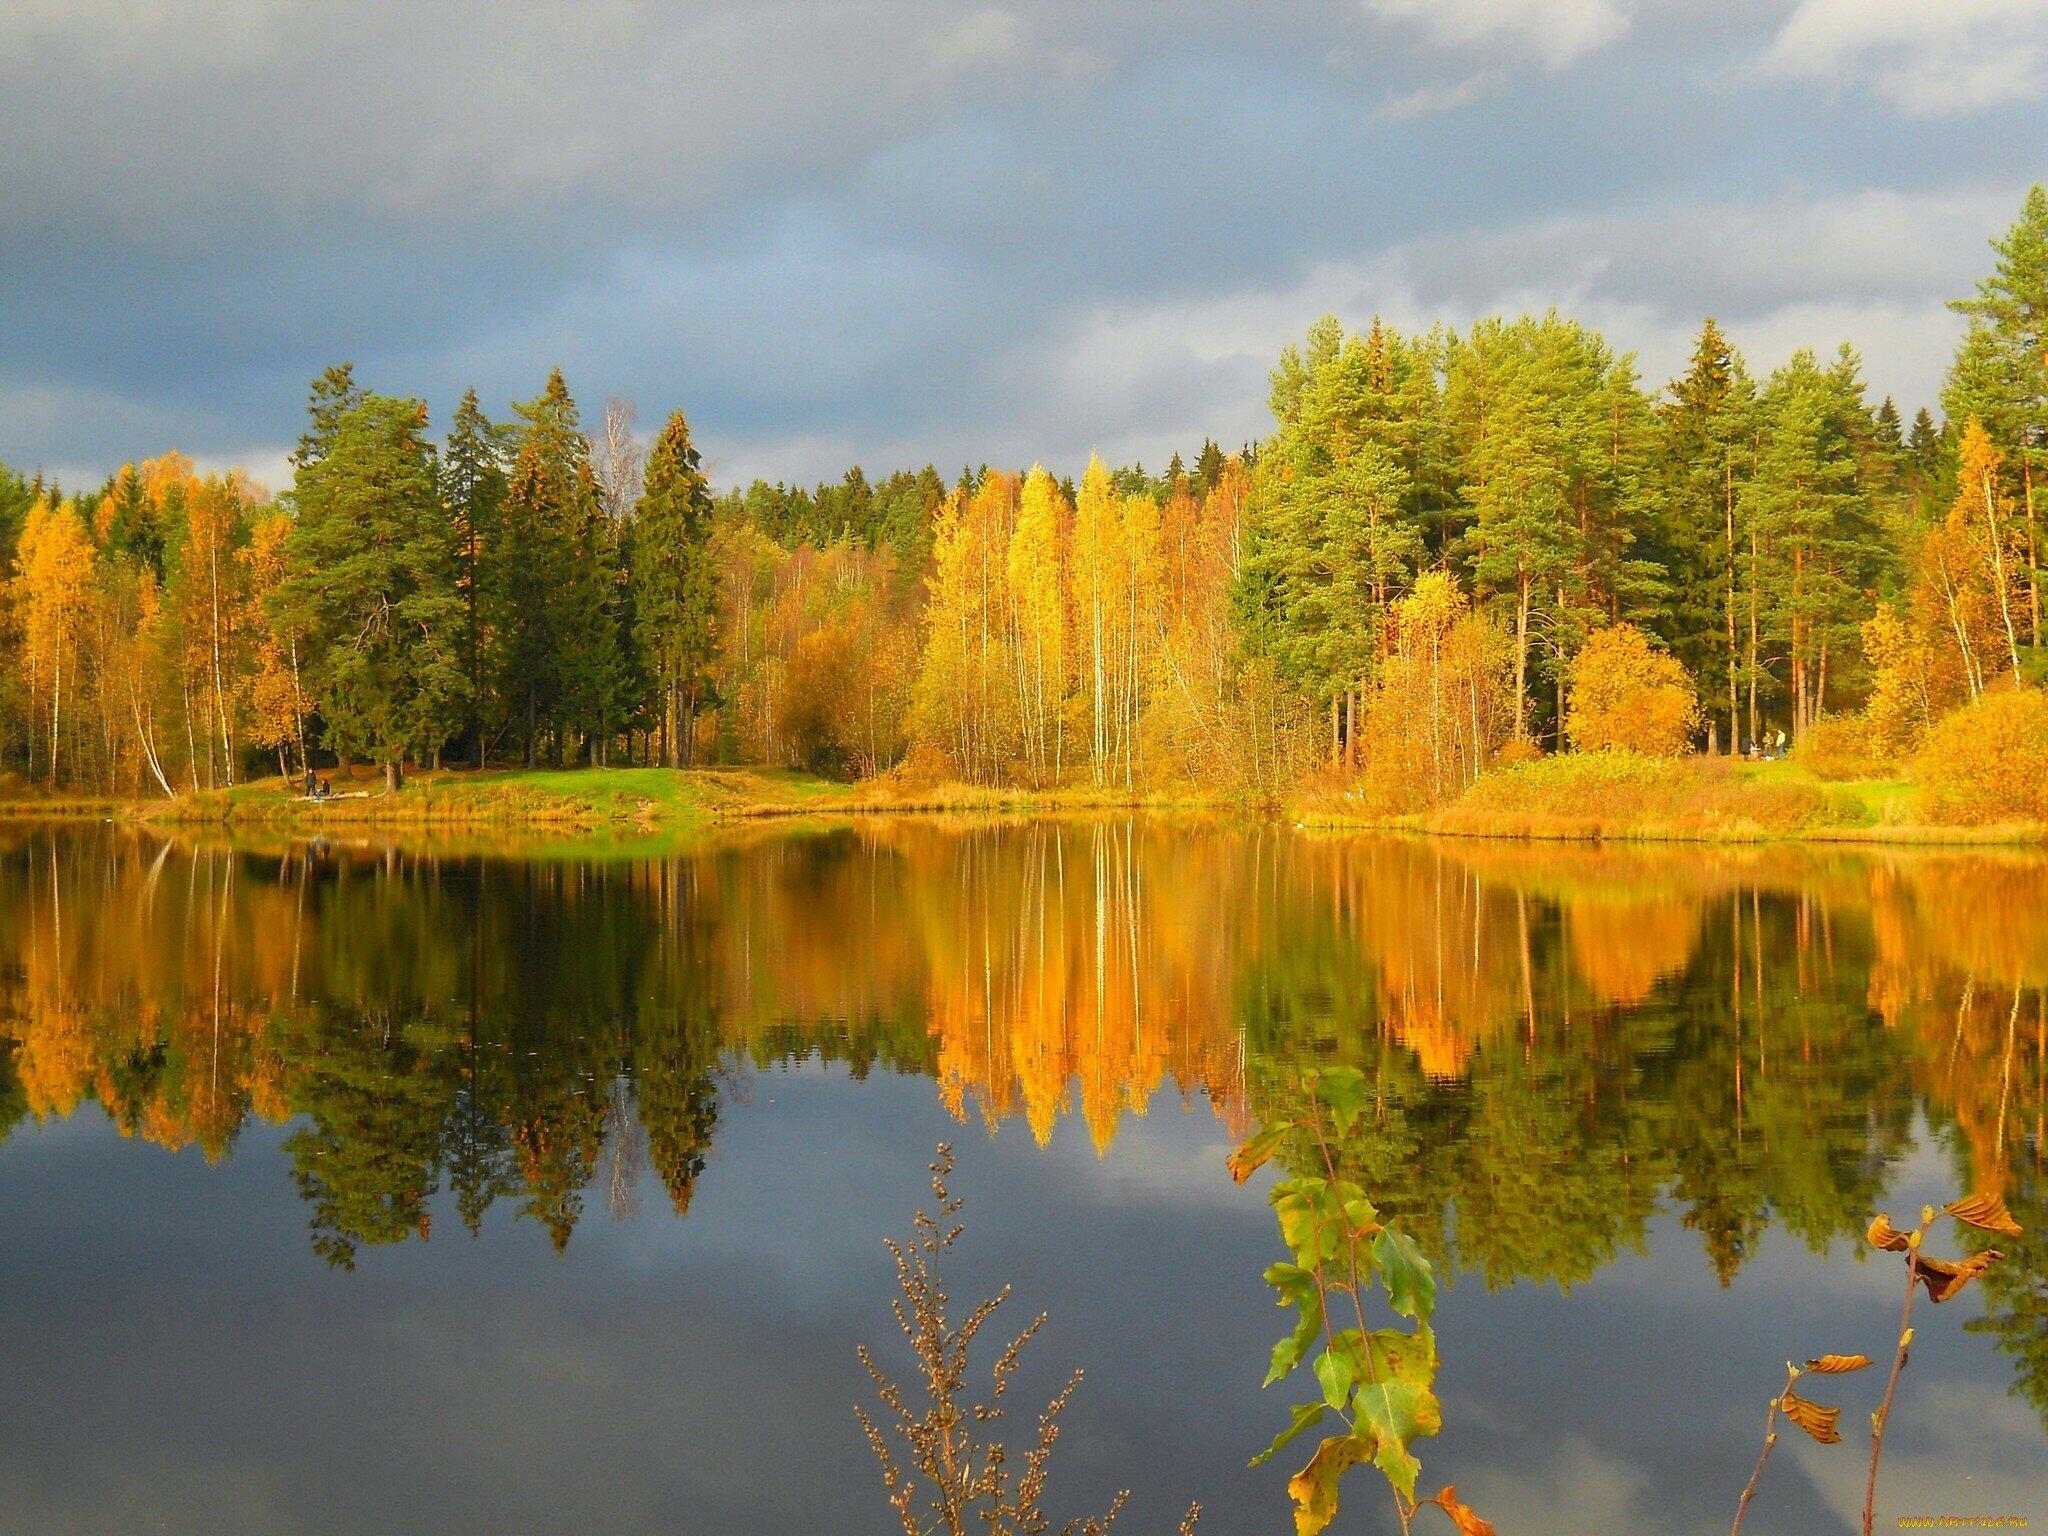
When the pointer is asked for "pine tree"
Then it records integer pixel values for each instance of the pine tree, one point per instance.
(1531, 403)
(675, 584)
(335, 394)
(473, 490)
(373, 583)
(1706, 444)
(1814, 543)
(552, 655)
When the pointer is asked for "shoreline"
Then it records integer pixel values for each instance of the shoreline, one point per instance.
(573, 802)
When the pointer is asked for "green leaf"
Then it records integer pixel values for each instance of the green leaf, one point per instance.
(1342, 1091)
(1398, 1356)
(1311, 1220)
(1291, 1281)
(1306, 1416)
(1314, 1487)
(1334, 1370)
(1360, 1212)
(1254, 1154)
(1288, 1353)
(1398, 1411)
(1411, 1283)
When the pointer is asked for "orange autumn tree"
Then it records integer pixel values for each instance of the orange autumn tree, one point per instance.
(1908, 687)
(1440, 709)
(1626, 695)
(1983, 533)
(50, 593)
(278, 706)
(1039, 621)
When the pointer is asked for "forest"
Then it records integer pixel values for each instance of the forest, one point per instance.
(1454, 550)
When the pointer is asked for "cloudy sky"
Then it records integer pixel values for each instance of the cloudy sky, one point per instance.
(904, 230)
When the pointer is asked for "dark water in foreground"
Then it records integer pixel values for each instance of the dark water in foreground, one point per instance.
(364, 1189)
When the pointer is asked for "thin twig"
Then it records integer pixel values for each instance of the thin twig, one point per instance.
(1770, 1439)
(1884, 1408)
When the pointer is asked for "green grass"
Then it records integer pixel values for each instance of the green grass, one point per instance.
(631, 799)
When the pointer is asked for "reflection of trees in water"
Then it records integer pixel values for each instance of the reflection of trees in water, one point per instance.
(1559, 1038)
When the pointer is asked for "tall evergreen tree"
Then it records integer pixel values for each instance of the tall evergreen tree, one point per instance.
(1555, 440)
(372, 583)
(675, 584)
(1706, 444)
(1814, 542)
(335, 394)
(473, 490)
(551, 580)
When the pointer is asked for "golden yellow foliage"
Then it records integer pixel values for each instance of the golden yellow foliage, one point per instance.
(1840, 747)
(50, 594)
(1439, 710)
(1988, 761)
(1903, 683)
(166, 470)
(1626, 695)
(278, 705)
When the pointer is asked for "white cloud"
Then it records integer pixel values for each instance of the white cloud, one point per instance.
(1874, 269)
(1553, 32)
(1137, 380)
(988, 36)
(1429, 100)
(1948, 60)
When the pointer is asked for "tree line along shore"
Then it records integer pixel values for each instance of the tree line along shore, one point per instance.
(1472, 581)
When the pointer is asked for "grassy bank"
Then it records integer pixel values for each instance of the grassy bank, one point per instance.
(1621, 797)
(629, 801)
(1585, 798)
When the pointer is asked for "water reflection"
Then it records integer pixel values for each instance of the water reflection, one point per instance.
(1561, 1039)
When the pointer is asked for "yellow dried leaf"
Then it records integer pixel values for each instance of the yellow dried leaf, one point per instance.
(1817, 1419)
(1248, 1159)
(1986, 1211)
(1838, 1365)
(1462, 1515)
(1314, 1487)
(1884, 1235)
(1944, 1280)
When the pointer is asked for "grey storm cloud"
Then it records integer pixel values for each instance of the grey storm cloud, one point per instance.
(901, 230)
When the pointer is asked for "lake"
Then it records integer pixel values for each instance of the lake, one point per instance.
(361, 1186)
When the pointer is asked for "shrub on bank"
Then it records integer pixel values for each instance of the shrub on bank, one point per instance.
(1987, 762)
(1631, 794)
(1628, 696)
(1839, 747)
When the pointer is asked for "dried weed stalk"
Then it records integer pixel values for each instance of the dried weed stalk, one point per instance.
(952, 1451)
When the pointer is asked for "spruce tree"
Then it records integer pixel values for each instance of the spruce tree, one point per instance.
(675, 590)
(594, 673)
(473, 490)
(551, 653)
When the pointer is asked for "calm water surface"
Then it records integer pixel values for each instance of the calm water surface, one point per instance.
(359, 1188)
